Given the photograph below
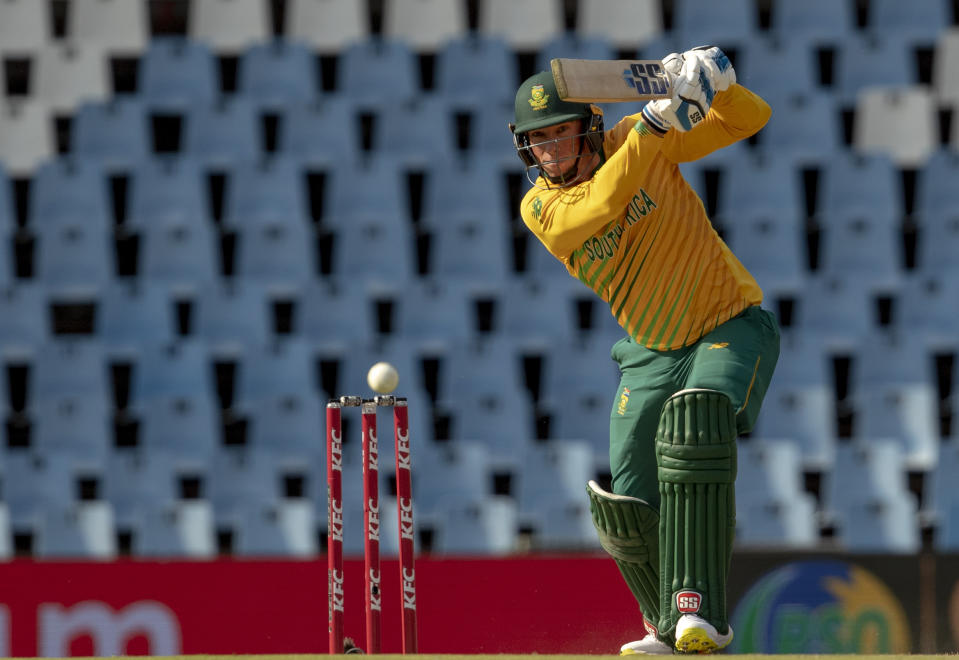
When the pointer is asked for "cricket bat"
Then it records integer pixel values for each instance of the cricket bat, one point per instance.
(609, 81)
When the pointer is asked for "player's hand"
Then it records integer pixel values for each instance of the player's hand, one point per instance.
(716, 65)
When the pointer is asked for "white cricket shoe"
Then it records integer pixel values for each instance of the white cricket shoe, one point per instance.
(648, 645)
(696, 635)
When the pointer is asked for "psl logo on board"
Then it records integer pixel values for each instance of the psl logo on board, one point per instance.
(820, 607)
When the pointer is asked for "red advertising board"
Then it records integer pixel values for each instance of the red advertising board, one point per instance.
(574, 604)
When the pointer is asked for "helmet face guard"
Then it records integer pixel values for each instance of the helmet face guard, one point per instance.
(590, 142)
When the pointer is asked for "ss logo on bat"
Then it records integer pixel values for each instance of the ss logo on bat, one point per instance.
(645, 78)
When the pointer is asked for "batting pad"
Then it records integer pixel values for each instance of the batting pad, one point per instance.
(628, 530)
(696, 459)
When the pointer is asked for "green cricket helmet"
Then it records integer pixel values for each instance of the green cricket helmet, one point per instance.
(538, 105)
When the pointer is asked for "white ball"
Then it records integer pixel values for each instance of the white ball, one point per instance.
(383, 378)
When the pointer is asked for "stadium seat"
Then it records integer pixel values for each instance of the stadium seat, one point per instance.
(6, 536)
(183, 369)
(265, 191)
(69, 191)
(772, 507)
(945, 67)
(328, 26)
(867, 184)
(179, 253)
(239, 478)
(275, 369)
(753, 185)
(187, 428)
(418, 133)
(935, 192)
(68, 367)
(773, 249)
(162, 190)
(175, 74)
(437, 312)
(836, 312)
(550, 494)
(375, 252)
(868, 496)
(355, 364)
(864, 61)
(800, 404)
(74, 258)
(763, 60)
(476, 71)
(378, 74)
(573, 45)
(116, 27)
(114, 133)
(66, 75)
(624, 24)
(229, 26)
(138, 481)
(488, 527)
(222, 133)
(926, 310)
(284, 424)
(231, 315)
(183, 529)
(25, 27)
(333, 318)
(490, 135)
(803, 130)
(426, 25)
(537, 314)
(276, 253)
(83, 531)
(285, 528)
(477, 249)
(26, 323)
(26, 136)
(278, 74)
(818, 22)
(471, 191)
(729, 25)
(937, 243)
(525, 25)
(72, 423)
(131, 315)
(451, 474)
(864, 249)
(921, 25)
(908, 146)
(941, 501)
(34, 482)
(321, 135)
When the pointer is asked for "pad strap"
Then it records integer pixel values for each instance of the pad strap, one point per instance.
(696, 459)
(628, 530)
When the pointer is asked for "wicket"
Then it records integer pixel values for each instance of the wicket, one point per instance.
(371, 508)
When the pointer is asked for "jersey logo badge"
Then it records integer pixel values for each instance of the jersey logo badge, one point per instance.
(538, 98)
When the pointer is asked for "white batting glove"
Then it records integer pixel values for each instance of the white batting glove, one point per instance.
(716, 64)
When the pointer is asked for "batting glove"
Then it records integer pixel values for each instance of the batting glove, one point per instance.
(717, 66)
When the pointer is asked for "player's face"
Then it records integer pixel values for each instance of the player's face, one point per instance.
(556, 147)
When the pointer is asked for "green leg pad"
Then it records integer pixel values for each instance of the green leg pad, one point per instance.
(696, 459)
(628, 530)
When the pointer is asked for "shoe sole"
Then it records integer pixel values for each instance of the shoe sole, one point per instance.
(696, 640)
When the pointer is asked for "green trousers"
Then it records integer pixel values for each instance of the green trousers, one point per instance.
(737, 359)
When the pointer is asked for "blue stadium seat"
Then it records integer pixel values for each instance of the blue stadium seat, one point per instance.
(490, 135)
(321, 134)
(550, 494)
(941, 499)
(418, 133)
(187, 428)
(477, 71)
(239, 478)
(69, 191)
(374, 189)
(569, 44)
(279, 528)
(284, 423)
(68, 367)
(835, 311)
(473, 190)
(866, 60)
(333, 318)
(773, 249)
(771, 66)
(85, 530)
(276, 253)
(868, 495)
(166, 190)
(488, 527)
(114, 133)
(34, 482)
(926, 310)
(803, 130)
(275, 369)
(74, 258)
(922, 23)
(375, 251)
(937, 244)
(437, 312)
(537, 314)
(800, 404)
(269, 190)
(74, 423)
(819, 22)
(7, 207)
(183, 368)
(180, 254)
(936, 191)
(131, 315)
(377, 74)
(772, 507)
(175, 74)
(26, 325)
(175, 529)
(765, 184)
(477, 249)
(138, 480)
(863, 248)
(232, 315)
(223, 132)
(278, 74)
(853, 182)
(727, 25)
(354, 365)
(451, 473)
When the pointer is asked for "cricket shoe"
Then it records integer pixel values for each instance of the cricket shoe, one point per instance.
(648, 645)
(696, 635)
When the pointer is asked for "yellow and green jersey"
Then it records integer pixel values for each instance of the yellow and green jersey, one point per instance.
(637, 234)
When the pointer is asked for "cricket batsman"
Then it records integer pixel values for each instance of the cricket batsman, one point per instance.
(698, 351)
